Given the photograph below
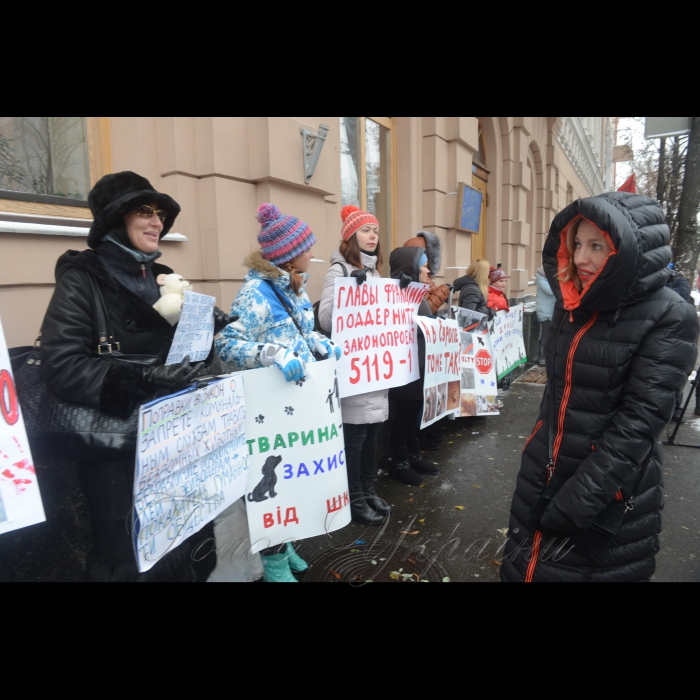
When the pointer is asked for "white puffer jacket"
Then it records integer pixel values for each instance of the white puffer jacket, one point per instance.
(366, 409)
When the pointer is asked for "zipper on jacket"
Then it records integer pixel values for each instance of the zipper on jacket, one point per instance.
(551, 467)
(629, 506)
(531, 438)
(143, 270)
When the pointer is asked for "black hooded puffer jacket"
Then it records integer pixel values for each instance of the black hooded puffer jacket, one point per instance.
(616, 357)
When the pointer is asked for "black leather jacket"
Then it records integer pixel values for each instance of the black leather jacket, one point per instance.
(70, 365)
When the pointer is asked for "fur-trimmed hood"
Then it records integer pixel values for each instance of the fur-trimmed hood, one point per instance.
(261, 268)
(433, 245)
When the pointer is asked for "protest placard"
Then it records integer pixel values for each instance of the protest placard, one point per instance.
(20, 499)
(479, 383)
(442, 369)
(191, 465)
(195, 331)
(298, 485)
(374, 326)
(507, 340)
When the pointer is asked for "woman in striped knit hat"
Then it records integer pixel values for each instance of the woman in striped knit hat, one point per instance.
(275, 328)
(266, 334)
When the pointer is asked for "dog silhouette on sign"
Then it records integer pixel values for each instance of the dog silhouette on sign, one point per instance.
(268, 483)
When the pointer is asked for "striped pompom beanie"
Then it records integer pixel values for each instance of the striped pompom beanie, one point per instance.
(354, 219)
(282, 238)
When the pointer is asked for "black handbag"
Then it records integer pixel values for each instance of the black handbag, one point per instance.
(68, 431)
(597, 540)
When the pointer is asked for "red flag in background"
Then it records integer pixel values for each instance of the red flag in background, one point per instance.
(630, 185)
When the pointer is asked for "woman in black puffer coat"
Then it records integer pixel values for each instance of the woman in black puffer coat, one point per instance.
(130, 218)
(621, 346)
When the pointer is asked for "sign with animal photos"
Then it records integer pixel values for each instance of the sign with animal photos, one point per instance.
(20, 500)
(298, 484)
(374, 324)
(478, 380)
(191, 465)
(195, 331)
(507, 340)
(442, 369)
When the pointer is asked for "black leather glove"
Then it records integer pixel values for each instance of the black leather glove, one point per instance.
(404, 280)
(360, 276)
(175, 377)
(222, 319)
(554, 520)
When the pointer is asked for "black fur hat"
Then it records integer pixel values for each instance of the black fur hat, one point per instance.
(116, 195)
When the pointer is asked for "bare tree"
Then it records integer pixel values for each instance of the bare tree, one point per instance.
(687, 248)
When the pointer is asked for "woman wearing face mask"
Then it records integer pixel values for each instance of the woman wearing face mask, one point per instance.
(130, 219)
(410, 265)
(621, 346)
(498, 281)
(360, 257)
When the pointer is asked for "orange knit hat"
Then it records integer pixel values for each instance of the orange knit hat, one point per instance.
(354, 219)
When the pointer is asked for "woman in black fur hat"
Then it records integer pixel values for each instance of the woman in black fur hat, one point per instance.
(130, 219)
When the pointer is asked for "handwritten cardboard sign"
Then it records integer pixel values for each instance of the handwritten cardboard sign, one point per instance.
(479, 383)
(20, 500)
(442, 369)
(195, 332)
(507, 339)
(374, 325)
(298, 484)
(191, 465)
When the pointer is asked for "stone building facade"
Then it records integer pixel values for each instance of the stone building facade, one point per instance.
(408, 170)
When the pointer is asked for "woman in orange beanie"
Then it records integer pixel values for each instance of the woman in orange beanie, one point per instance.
(359, 257)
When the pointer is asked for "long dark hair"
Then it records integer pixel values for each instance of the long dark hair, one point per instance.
(352, 253)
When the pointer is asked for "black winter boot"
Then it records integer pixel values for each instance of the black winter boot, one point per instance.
(361, 511)
(427, 444)
(418, 464)
(401, 470)
(372, 497)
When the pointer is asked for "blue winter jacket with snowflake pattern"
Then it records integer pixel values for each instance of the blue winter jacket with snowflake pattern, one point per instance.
(263, 318)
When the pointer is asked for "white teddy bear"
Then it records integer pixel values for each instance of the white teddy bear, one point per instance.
(172, 297)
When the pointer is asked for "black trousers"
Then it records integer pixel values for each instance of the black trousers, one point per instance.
(361, 450)
(406, 427)
(108, 489)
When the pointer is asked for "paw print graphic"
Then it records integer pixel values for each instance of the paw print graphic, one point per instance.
(301, 382)
(289, 411)
(260, 420)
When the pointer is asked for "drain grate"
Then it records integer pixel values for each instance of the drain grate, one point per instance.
(381, 562)
(537, 375)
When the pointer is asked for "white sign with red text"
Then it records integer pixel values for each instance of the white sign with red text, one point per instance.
(20, 500)
(442, 369)
(479, 383)
(374, 324)
(298, 484)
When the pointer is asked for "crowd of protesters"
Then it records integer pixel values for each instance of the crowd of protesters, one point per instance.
(617, 343)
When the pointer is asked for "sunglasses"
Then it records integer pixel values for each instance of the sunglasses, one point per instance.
(146, 212)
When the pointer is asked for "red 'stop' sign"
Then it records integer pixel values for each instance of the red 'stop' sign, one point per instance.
(483, 361)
